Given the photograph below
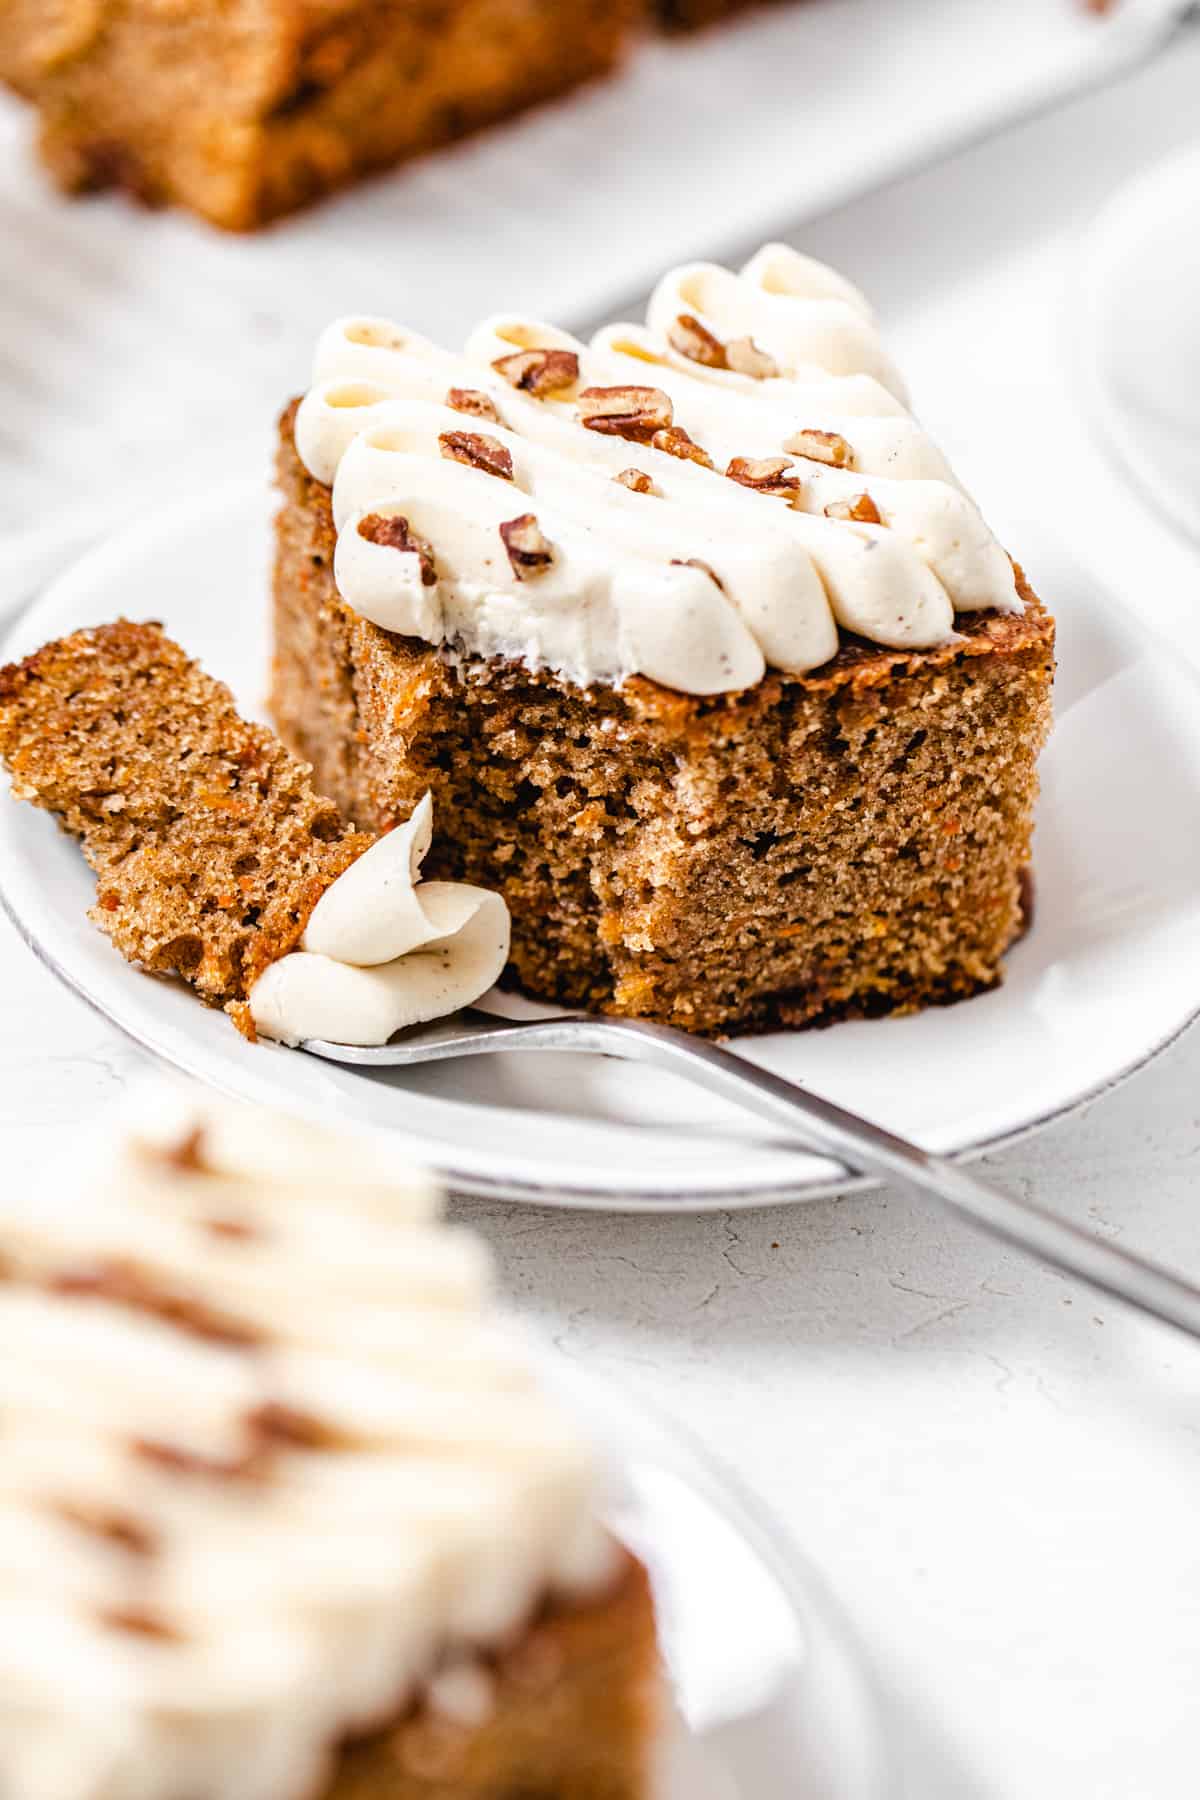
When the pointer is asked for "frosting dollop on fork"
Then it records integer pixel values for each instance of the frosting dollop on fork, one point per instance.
(384, 950)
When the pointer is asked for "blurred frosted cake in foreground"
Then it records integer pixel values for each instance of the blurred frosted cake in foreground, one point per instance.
(284, 1513)
(711, 665)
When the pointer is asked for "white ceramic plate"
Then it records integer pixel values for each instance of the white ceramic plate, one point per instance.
(1138, 305)
(1109, 974)
(773, 1699)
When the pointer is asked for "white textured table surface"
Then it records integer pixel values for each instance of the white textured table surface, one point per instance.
(997, 1473)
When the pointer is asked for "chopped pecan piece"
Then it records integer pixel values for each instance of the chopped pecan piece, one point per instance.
(694, 562)
(478, 452)
(177, 1459)
(123, 1284)
(766, 475)
(236, 1230)
(276, 1423)
(539, 372)
(118, 1528)
(862, 509)
(529, 551)
(140, 1623)
(186, 1154)
(676, 442)
(473, 401)
(696, 342)
(628, 412)
(822, 446)
(745, 358)
(390, 530)
(636, 480)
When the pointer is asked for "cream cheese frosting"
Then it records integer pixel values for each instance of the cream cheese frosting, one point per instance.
(274, 1465)
(719, 491)
(384, 950)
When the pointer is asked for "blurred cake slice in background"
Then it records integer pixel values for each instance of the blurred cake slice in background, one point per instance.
(242, 112)
(712, 666)
(285, 1511)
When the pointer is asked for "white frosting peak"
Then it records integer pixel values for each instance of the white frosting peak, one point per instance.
(375, 911)
(383, 950)
(271, 1460)
(778, 269)
(801, 313)
(705, 578)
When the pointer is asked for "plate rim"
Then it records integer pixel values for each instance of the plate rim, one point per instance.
(471, 1183)
(1096, 242)
(811, 1593)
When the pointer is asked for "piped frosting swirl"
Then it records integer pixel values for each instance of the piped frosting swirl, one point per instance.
(272, 1460)
(719, 491)
(384, 950)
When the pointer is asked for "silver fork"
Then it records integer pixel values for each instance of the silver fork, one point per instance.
(857, 1143)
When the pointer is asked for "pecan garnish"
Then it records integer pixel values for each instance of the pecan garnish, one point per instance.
(186, 1154)
(694, 562)
(823, 447)
(636, 480)
(628, 412)
(236, 1230)
(473, 401)
(390, 530)
(676, 442)
(862, 509)
(123, 1284)
(744, 356)
(140, 1623)
(118, 1528)
(478, 452)
(529, 551)
(178, 1459)
(766, 475)
(539, 372)
(695, 341)
(276, 1423)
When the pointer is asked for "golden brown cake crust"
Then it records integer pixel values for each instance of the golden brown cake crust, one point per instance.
(837, 845)
(244, 112)
(576, 1711)
(210, 845)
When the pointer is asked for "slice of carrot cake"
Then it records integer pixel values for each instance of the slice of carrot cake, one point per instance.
(711, 665)
(217, 861)
(286, 1512)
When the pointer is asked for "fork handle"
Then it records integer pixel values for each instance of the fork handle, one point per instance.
(872, 1150)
